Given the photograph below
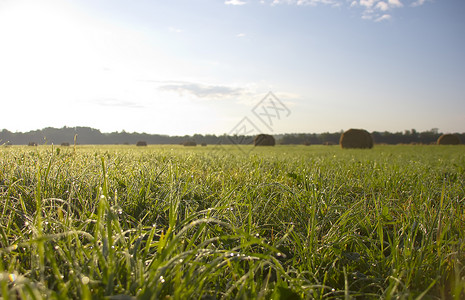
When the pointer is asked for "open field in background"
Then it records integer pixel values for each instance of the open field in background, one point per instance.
(164, 222)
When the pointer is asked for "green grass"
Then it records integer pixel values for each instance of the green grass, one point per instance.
(164, 222)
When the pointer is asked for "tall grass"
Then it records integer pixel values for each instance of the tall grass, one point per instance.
(282, 223)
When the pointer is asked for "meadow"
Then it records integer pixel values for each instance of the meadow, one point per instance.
(284, 222)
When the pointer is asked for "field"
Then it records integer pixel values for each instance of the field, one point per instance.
(288, 222)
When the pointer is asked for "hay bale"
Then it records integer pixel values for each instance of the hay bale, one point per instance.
(264, 140)
(141, 144)
(190, 144)
(448, 139)
(204, 144)
(32, 144)
(65, 144)
(356, 138)
(328, 143)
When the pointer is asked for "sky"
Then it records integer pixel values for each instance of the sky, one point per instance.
(181, 67)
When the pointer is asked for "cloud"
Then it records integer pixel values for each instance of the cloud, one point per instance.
(418, 3)
(201, 90)
(383, 6)
(240, 35)
(375, 10)
(234, 2)
(367, 3)
(305, 2)
(395, 3)
(384, 17)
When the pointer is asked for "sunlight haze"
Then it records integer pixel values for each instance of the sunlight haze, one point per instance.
(197, 66)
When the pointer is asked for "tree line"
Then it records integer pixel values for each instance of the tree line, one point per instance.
(87, 135)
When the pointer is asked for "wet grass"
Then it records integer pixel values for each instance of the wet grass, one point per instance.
(210, 222)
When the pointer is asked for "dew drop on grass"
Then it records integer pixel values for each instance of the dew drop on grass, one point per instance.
(162, 280)
(85, 280)
(12, 277)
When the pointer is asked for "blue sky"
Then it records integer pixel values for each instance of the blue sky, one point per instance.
(202, 66)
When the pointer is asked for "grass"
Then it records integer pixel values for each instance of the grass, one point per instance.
(287, 222)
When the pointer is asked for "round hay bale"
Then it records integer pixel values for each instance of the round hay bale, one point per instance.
(356, 138)
(448, 139)
(190, 144)
(65, 144)
(32, 144)
(141, 143)
(264, 140)
(204, 144)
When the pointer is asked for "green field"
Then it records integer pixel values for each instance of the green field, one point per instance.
(287, 222)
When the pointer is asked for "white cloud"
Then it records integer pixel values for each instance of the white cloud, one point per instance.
(384, 17)
(201, 90)
(418, 3)
(376, 9)
(240, 35)
(367, 3)
(383, 6)
(371, 9)
(395, 3)
(335, 3)
(234, 2)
